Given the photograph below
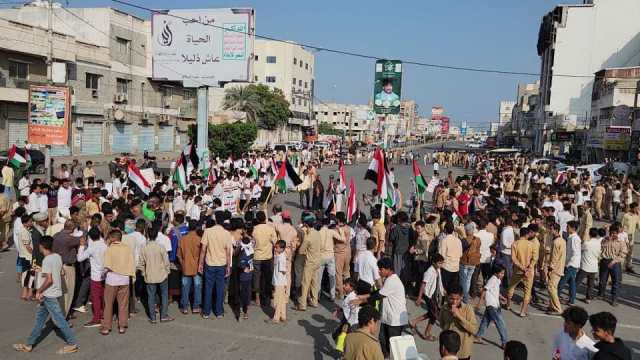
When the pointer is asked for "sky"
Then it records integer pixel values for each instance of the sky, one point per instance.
(496, 34)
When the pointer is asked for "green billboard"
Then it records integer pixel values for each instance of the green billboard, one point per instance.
(387, 87)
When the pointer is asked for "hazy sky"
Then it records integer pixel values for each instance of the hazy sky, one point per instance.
(499, 34)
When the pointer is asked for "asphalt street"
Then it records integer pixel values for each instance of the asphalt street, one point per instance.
(305, 336)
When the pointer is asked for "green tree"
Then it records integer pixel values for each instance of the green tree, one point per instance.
(326, 128)
(274, 110)
(243, 98)
(231, 139)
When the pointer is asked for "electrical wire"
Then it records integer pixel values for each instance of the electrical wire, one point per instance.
(355, 54)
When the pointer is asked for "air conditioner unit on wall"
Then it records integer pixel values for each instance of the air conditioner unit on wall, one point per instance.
(94, 93)
(145, 116)
(166, 102)
(120, 98)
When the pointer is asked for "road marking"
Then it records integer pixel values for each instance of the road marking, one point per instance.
(249, 336)
(634, 327)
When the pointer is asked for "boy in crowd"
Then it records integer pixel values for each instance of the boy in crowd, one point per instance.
(572, 342)
(431, 292)
(280, 283)
(603, 328)
(492, 312)
(449, 341)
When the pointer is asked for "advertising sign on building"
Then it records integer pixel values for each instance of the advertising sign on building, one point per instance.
(387, 87)
(463, 129)
(444, 125)
(48, 122)
(437, 112)
(617, 138)
(202, 47)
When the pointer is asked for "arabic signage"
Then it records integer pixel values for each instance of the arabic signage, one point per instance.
(463, 129)
(203, 47)
(437, 112)
(617, 138)
(387, 87)
(48, 118)
(444, 125)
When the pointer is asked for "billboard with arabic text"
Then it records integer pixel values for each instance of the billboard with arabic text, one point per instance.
(48, 122)
(202, 47)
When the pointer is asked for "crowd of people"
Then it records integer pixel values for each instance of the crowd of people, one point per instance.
(220, 238)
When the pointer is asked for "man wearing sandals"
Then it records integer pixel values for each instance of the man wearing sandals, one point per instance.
(49, 290)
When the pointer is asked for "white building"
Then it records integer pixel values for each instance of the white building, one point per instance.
(580, 40)
(353, 119)
(505, 111)
(288, 67)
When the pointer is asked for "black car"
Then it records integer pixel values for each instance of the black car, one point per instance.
(37, 160)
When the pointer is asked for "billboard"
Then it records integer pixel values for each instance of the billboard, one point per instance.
(444, 125)
(202, 47)
(463, 129)
(617, 138)
(437, 112)
(387, 87)
(49, 116)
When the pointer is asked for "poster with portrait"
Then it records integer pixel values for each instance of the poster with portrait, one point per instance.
(387, 87)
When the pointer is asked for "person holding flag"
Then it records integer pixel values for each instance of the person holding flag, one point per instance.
(421, 186)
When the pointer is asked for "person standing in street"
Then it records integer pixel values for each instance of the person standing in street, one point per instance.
(188, 255)
(603, 328)
(328, 237)
(7, 181)
(630, 224)
(120, 268)
(265, 237)
(5, 220)
(215, 264)
(94, 250)
(49, 290)
(311, 249)
(459, 317)
(613, 255)
(492, 311)
(470, 259)
(522, 255)
(572, 342)
(66, 245)
(154, 265)
(451, 250)
(279, 282)
(574, 251)
(555, 271)
(342, 252)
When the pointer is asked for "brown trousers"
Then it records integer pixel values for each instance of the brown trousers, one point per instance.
(280, 303)
(309, 279)
(69, 280)
(120, 294)
(342, 271)
(552, 287)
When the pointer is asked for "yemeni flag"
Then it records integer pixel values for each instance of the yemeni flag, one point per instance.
(352, 202)
(191, 157)
(15, 159)
(379, 174)
(180, 172)
(211, 176)
(342, 186)
(287, 177)
(136, 177)
(421, 183)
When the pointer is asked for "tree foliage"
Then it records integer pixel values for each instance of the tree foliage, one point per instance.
(231, 139)
(326, 128)
(243, 98)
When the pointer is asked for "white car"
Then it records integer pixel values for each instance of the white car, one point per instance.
(474, 145)
(592, 169)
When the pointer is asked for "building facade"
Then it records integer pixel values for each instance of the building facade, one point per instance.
(353, 120)
(574, 42)
(523, 116)
(116, 107)
(290, 68)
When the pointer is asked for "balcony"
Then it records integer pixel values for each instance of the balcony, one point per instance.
(188, 109)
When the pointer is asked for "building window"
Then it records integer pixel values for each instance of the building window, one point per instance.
(187, 94)
(306, 66)
(301, 63)
(335, 113)
(300, 101)
(271, 59)
(122, 86)
(294, 81)
(18, 70)
(306, 84)
(255, 58)
(270, 79)
(255, 78)
(124, 46)
(167, 91)
(299, 82)
(305, 102)
(295, 61)
(91, 81)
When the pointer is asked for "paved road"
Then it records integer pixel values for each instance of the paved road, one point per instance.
(305, 336)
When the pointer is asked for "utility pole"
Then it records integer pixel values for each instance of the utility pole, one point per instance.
(47, 148)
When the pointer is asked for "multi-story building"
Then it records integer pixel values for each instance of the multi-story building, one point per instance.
(353, 120)
(116, 107)
(613, 102)
(408, 117)
(504, 111)
(290, 68)
(523, 116)
(574, 42)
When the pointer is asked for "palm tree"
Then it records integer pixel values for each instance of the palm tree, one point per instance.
(242, 98)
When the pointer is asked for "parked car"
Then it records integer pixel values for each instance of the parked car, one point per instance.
(298, 145)
(37, 160)
(592, 169)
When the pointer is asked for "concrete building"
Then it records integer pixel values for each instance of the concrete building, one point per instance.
(523, 116)
(614, 98)
(580, 40)
(116, 107)
(290, 68)
(351, 119)
(505, 111)
(408, 118)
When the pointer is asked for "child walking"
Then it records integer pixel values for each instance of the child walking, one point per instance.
(431, 291)
(492, 312)
(347, 314)
(246, 274)
(280, 283)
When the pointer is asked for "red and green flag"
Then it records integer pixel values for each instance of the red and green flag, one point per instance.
(421, 183)
(15, 159)
(287, 177)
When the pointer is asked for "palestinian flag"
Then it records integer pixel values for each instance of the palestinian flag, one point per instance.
(421, 183)
(180, 172)
(191, 157)
(352, 202)
(15, 159)
(136, 177)
(379, 174)
(287, 177)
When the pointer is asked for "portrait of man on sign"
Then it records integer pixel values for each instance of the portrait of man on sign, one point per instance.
(386, 97)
